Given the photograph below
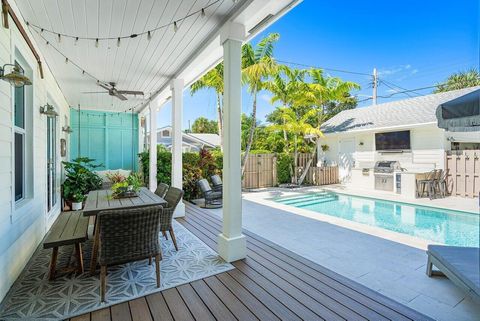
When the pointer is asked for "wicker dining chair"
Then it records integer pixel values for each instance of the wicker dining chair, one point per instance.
(126, 236)
(162, 189)
(173, 197)
(217, 183)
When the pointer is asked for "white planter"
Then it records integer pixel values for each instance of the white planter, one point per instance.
(76, 206)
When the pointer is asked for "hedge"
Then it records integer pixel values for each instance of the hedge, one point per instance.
(202, 165)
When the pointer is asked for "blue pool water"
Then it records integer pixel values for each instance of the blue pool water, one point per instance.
(433, 224)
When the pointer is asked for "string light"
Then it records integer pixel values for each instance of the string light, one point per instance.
(76, 40)
(118, 42)
(59, 38)
(149, 36)
(66, 60)
(96, 42)
(201, 11)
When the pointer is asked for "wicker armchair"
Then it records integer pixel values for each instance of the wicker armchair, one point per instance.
(217, 183)
(212, 198)
(126, 236)
(173, 197)
(162, 188)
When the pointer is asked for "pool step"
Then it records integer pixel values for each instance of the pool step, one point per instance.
(317, 202)
(296, 199)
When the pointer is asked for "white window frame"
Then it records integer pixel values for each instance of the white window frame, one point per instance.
(23, 132)
(23, 206)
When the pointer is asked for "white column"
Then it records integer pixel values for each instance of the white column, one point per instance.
(231, 242)
(153, 147)
(177, 140)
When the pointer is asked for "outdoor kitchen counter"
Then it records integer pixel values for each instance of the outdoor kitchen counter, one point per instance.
(365, 178)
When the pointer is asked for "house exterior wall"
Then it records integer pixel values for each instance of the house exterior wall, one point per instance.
(22, 226)
(109, 138)
(428, 145)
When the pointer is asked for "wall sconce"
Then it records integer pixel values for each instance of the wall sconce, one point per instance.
(16, 77)
(67, 129)
(48, 110)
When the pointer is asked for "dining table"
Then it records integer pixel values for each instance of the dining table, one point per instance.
(102, 200)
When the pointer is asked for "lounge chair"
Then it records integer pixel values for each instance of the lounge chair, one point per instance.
(217, 183)
(212, 198)
(460, 264)
(161, 190)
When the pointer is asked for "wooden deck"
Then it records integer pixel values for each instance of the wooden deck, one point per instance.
(272, 283)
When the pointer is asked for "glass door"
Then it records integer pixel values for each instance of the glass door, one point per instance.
(51, 163)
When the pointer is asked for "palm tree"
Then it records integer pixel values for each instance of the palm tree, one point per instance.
(213, 80)
(323, 91)
(257, 65)
(297, 126)
(459, 80)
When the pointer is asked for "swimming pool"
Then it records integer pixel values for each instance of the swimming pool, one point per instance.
(433, 224)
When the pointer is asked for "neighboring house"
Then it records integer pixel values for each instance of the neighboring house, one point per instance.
(406, 131)
(191, 142)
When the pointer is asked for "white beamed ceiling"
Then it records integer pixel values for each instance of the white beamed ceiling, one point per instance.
(137, 64)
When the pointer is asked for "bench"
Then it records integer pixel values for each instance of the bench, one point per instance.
(70, 228)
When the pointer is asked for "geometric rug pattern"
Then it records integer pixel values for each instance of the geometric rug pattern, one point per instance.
(34, 297)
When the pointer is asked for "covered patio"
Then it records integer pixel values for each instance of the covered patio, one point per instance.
(89, 57)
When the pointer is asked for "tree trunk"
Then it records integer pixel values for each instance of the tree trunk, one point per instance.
(295, 161)
(252, 131)
(220, 119)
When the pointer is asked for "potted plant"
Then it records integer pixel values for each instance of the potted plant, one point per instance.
(127, 187)
(77, 201)
(80, 179)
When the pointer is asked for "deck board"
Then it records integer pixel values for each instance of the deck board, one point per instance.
(272, 283)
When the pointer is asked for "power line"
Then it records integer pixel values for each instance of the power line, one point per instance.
(324, 68)
(393, 88)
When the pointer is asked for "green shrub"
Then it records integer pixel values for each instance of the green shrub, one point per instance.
(259, 151)
(284, 161)
(195, 166)
(80, 178)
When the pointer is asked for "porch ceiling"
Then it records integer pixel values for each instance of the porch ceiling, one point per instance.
(138, 63)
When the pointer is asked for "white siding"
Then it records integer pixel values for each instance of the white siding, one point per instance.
(22, 228)
(427, 148)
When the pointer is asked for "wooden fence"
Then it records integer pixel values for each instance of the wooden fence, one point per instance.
(464, 172)
(261, 171)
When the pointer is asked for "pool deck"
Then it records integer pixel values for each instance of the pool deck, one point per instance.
(391, 264)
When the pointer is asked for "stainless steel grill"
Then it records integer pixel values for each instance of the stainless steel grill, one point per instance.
(386, 167)
(383, 171)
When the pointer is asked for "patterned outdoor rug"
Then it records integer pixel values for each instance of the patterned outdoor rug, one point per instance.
(33, 297)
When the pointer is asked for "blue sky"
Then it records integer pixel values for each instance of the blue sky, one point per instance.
(413, 44)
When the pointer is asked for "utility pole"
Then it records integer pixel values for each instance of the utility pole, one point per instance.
(375, 84)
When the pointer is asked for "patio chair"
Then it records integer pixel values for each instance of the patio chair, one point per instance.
(443, 183)
(212, 198)
(173, 197)
(217, 183)
(427, 183)
(126, 236)
(459, 264)
(162, 188)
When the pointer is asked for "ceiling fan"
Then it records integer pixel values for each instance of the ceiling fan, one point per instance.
(112, 91)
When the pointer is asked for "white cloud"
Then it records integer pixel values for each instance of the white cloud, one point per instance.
(265, 97)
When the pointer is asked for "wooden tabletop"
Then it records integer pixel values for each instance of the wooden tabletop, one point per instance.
(100, 200)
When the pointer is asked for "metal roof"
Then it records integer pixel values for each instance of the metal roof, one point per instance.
(406, 112)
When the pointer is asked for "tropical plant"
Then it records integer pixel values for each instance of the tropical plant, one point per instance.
(257, 65)
(297, 126)
(328, 95)
(80, 178)
(115, 177)
(202, 125)
(459, 80)
(213, 80)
